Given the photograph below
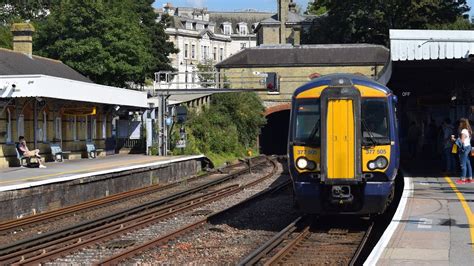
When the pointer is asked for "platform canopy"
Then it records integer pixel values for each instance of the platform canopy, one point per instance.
(412, 45)
(16, 86)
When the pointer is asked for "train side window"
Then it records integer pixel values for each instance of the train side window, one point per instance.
(375, 120)
(307, 122)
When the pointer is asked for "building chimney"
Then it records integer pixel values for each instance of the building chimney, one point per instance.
(23, 38)
(292, 7)
(283, 8)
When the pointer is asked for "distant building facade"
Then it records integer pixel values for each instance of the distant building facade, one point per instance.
(285, 27)
(205, 36)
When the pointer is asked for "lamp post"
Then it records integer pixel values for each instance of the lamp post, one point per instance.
(186, 71)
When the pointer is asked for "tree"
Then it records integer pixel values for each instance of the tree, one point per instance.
(159, 45)
(205, 73)
(15, 11)
(369, 21)
(101, 39)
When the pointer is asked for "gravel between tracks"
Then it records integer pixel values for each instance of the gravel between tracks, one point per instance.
(98, 252)
(66, 221)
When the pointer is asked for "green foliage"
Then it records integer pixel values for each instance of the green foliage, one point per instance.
(5, 37)
(206, 77)
(116, 43)
(369, 21)
(227, 128)
(21, 10)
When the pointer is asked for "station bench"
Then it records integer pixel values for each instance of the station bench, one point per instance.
(57, 152)
(91, 150)
(21, 158)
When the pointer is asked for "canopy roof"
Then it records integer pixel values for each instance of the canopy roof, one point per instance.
(412, 45)
(15, 86)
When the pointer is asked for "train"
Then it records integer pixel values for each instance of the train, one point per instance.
(343, 146)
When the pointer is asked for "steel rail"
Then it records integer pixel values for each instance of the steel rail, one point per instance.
(51, 236)
(361, 247)
(72, 243)
(96, 203)
(272, 243)
(60, 247)
(129, 253)
(289, 247)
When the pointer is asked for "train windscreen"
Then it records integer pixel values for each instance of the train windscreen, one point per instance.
(375, 122)
(307, 122)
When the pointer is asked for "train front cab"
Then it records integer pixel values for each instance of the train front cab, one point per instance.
(343, 146)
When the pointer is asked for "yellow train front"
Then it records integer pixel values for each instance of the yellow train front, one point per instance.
(343, 145)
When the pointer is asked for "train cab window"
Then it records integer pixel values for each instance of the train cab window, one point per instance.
(307, 119)
(375, 122)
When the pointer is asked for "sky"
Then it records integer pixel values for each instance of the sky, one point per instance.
(232, 5)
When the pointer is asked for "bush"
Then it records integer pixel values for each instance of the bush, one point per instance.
(229, 126)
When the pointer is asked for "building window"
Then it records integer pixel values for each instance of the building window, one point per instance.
(21, 125)
(193, 51)
(93, 128)
(215, 53)
(104, 126)
(57, 128)
(221, 54)
(45, 127)
(243, 30)
(74, 128)
(227, 29)
(243, 45)
(186, 50)
(86, 125)
(206, 52)
(9, 126)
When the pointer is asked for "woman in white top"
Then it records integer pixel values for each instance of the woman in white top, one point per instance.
(465, 133)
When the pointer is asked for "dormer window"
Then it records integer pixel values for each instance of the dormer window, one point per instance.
(227, 29)
(243, 30)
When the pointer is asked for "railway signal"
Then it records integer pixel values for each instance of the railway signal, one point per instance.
(271, 82)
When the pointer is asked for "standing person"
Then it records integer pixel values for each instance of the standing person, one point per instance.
(24, 151)
(464, 149)
(448, 157)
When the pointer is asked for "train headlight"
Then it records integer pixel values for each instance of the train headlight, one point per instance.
(305, 164)
(302, 163)
(379, 163)
(371, 165)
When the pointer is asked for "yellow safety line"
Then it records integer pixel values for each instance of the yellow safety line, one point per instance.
(467, 209)
(101, 166)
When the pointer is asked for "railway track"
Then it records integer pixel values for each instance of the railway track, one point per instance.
(186, 230)
(98, 231)
(315, 242)
(34, 220)
(171, 195)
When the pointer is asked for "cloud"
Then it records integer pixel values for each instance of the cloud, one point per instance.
(196, 3)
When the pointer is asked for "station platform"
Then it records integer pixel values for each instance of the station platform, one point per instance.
(26, 191)
(18, 178)
(433, 225)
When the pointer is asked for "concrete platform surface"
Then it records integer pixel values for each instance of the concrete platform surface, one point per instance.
(18, 178)
(434, 225)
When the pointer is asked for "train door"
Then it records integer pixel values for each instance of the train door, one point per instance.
(340, 139)
(340, 135)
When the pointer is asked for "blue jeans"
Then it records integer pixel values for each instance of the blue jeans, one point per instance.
(449, 160)
(466, 170)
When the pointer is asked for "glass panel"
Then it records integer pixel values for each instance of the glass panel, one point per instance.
(307, 127)
(375, 121)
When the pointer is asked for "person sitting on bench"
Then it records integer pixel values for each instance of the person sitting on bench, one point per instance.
(25, 152)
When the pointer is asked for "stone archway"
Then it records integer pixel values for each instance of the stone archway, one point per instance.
(274, 136)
